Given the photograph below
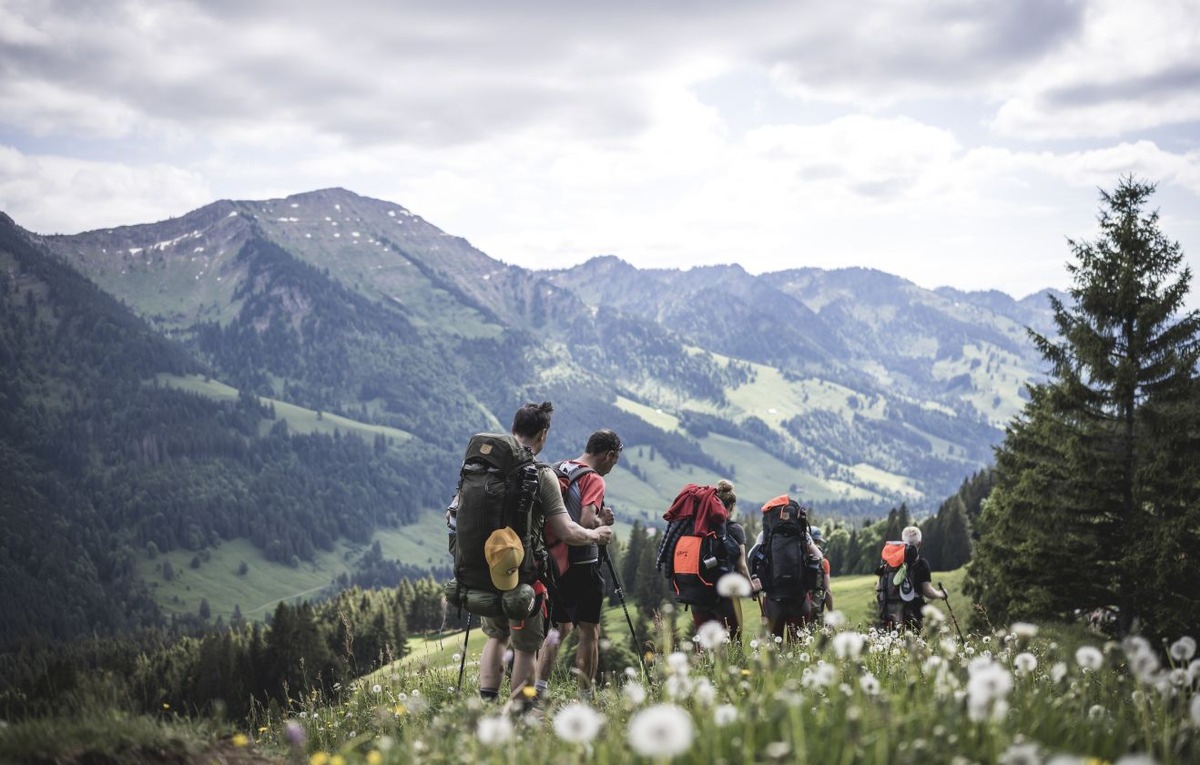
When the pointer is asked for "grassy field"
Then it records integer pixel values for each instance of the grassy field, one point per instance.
(1024, 694)
(264, 584)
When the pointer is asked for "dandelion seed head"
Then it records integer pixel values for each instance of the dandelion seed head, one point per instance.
(1023, 630)
(727, 714)
(577, 723)
(1183, 649)
(493, 730)
(1025, 663)
(712, 635)
(678, 686)
(1194, 710)
(662, 730)
(869, 684)
(848, 645)
(704, 692)
(678, 663)
(1089, 658)
(932, 615)
(1058, 671)
(377, 688)
(835, 619)
(635, 693)
(734, 585)
(777, 750)
(1021, 754)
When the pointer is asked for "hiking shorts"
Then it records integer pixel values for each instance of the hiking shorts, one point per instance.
(526, 636)
(580, 595)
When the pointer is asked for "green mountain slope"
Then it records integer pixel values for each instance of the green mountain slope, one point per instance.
(355, 345)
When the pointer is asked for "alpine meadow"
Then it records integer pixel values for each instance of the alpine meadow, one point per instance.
(228, 441)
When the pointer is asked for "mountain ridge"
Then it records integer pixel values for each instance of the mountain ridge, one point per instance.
(853, 389)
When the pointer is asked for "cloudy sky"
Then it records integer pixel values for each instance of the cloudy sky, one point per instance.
(952, 142)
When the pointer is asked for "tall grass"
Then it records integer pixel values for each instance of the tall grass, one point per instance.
(837, 694)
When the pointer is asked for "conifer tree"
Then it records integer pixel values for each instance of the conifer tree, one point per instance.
(1089, 484)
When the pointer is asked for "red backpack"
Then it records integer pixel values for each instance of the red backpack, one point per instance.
(695, 551)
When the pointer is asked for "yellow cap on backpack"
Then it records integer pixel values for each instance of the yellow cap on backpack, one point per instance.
(504, 553)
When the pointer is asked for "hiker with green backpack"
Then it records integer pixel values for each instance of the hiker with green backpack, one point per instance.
(905, 581)
(504, 501)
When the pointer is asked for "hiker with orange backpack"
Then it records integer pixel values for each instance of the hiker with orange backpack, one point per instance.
(577, 597)
(700, 545)
(905, 581)
(790, 567)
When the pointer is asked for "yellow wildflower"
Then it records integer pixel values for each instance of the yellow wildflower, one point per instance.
(239, 740)
(319, 758)
(400, 710)
(374, 757)
(529, 691)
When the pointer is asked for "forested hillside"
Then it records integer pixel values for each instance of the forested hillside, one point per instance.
(103, 466)
(362, 344)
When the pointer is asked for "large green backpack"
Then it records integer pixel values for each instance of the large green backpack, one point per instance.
(497, 487)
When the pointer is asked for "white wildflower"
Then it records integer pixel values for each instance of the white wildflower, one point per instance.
(1097, 712)
(754, 644)
(376, 688)
(704, 692)
(635, 693)
(678, 686)
(577, 723)
(932, 615)
(712, 635)
(661, 731)
(777, 750)
(1025, 663)
(869, 684)
(835, 619)
(1089, 658)
(1058, 671)
(677, 663)
(987, 690)
(734, 585)
(1183, 649)
(848, 645)
(1023, 630)
(1144, 665)
(727, 714)
(1021, 754)
(494, 730)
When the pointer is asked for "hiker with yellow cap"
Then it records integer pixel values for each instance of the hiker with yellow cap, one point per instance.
(505, 499)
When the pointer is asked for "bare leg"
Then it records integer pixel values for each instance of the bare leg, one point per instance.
(587, 654)
(491, 663)
(549, 652)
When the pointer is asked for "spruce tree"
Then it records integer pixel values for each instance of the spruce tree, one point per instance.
(1089, 484)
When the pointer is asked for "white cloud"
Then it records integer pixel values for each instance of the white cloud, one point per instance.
(946, 142)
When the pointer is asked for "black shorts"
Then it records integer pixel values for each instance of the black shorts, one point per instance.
(580, 596)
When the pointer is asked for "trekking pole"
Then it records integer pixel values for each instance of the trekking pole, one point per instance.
(637, 646)
(953, 618)
(462, 662)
